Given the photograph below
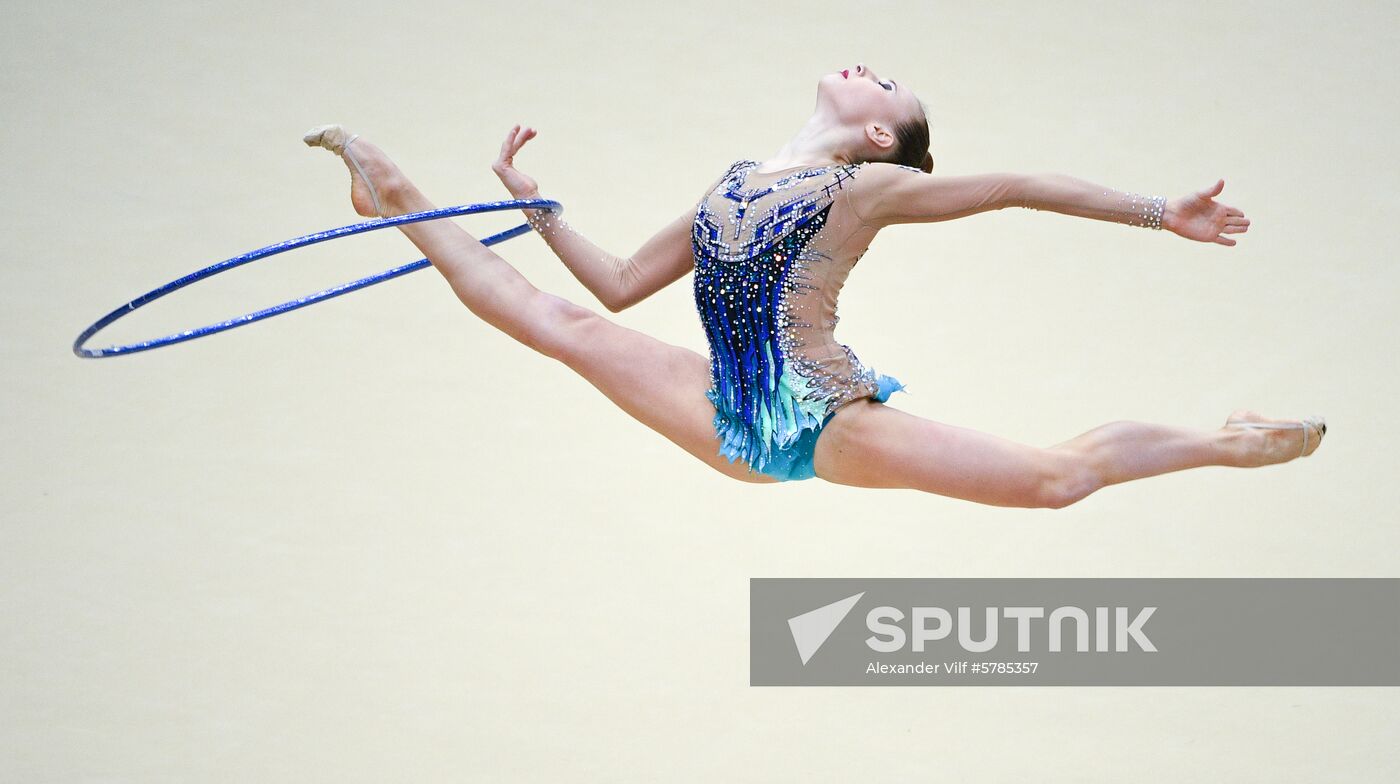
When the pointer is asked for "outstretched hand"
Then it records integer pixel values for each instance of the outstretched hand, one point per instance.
(520, 185)
(1199, 217)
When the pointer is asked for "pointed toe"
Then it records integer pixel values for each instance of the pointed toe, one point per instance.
(1314, 422)
(333, 137)
(337, 139)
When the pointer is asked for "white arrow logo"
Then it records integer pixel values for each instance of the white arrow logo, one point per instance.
(811, 629)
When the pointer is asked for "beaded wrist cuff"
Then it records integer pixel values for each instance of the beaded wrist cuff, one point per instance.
(543, 219)
(1147, 210)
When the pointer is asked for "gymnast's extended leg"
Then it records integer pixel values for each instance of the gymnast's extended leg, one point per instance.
(872, 444)
(661, 385)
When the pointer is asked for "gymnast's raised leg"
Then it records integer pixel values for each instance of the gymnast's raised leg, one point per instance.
(870, 444)
(661, 385)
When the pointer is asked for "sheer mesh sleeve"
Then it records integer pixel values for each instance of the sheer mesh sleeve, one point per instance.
(1073, 196)
(885, 193)
(620, 282)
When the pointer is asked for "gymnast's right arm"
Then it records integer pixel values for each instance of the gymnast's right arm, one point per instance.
(886, 193)
(617, 282)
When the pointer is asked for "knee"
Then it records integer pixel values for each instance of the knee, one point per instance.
(557, 327)
(1065, 480)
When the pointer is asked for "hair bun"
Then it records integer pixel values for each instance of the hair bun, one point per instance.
(927, 165)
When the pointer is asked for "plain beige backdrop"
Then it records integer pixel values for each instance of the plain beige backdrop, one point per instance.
(374, 540)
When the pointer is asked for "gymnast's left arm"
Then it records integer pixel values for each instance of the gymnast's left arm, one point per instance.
(885, 193)
(1195, 216)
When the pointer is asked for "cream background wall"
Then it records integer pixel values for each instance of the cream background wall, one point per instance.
(376, 540)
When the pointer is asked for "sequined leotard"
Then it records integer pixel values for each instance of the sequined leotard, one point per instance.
(772, 251)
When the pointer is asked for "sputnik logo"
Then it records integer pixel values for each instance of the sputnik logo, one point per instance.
(810, 630)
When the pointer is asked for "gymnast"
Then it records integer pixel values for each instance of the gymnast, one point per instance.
(771, 244)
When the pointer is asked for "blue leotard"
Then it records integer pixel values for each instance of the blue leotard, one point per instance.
(772, 251)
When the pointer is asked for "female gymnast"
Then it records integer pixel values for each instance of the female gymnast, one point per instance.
(771, 244)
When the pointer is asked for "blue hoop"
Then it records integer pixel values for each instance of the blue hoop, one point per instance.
(300, 242)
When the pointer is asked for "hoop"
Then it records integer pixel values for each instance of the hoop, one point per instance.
(292, 244)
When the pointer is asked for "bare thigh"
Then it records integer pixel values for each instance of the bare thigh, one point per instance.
(873, 444)
(660, 385)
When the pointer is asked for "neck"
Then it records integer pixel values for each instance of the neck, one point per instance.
(817, 143)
